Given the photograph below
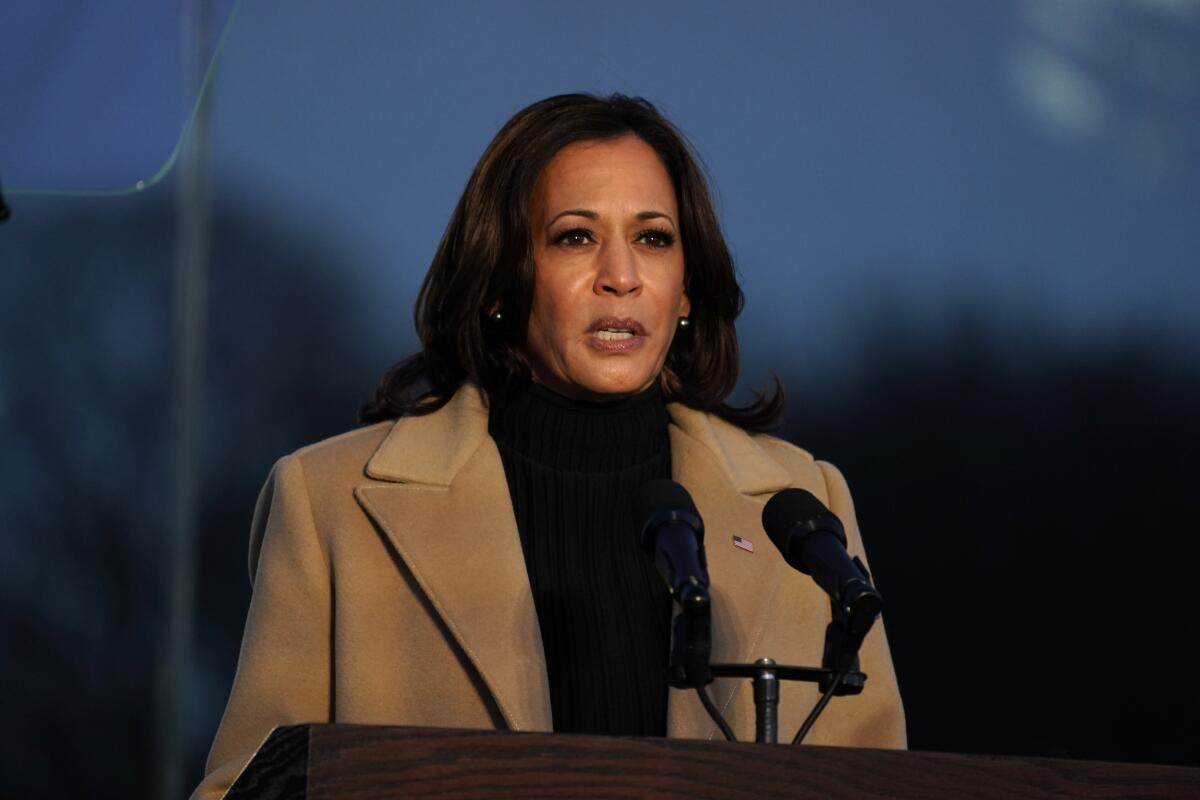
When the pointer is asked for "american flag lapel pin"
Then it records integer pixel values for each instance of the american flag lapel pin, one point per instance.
(743, 543)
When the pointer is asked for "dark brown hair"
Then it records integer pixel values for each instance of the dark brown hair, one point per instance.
(484, 261)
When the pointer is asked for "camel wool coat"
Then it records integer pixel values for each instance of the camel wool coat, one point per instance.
(389, 587)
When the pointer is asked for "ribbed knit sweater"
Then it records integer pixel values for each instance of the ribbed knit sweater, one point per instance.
(573, 470)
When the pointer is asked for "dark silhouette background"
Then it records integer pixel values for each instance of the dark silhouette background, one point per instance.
(1029, 505)
(85, 298)
(1030, 514)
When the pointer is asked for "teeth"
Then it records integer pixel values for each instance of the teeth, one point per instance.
(609, 335)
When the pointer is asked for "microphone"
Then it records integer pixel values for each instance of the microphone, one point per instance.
(671, 532)
(812, 540)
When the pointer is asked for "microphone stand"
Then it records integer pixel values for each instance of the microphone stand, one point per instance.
(765, 676)
(838, 674)
(691, 637)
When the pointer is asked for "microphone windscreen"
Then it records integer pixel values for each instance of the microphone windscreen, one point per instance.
(660, 501)
(796, 507)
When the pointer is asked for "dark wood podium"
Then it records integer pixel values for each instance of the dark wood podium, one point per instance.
(362, 761)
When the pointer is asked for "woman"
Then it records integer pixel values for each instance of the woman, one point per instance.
(469, 559)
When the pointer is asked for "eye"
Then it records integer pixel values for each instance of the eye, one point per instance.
(575, 237)
(657, 238)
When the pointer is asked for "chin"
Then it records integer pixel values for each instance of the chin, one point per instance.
(613, 385)
(598, 378)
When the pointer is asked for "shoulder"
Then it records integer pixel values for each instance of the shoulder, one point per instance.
(782, 451)
(794, 458)
(342, 456)
(311, 485)
(323, 473)
(803, 466)
(806, 469)
(757, 463)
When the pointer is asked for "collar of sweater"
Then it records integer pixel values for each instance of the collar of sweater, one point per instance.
(705, 448)
(561, 433)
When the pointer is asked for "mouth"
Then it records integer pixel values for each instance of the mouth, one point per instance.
(616, 334)
(610, 335)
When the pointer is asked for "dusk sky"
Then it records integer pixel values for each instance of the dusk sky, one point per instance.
(1040, 159)
(968, 235)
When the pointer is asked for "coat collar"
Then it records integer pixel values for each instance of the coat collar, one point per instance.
(444, 504)
(445, 440)
(449, 437)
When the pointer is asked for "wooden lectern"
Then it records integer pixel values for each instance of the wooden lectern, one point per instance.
(362, 761)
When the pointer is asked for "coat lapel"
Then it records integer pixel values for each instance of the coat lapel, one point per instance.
(446, 509)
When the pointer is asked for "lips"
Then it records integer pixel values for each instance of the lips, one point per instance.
(616, 334)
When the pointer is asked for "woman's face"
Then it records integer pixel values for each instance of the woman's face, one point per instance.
(608, 269)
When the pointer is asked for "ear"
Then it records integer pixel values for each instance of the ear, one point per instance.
(685, 305)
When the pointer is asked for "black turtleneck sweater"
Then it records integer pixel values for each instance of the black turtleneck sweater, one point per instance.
(573, 470)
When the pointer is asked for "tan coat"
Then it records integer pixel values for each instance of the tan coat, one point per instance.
(396, 592)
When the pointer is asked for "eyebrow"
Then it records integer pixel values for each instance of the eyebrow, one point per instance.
(589, 214)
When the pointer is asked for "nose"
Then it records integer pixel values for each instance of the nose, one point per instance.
(617, 272)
